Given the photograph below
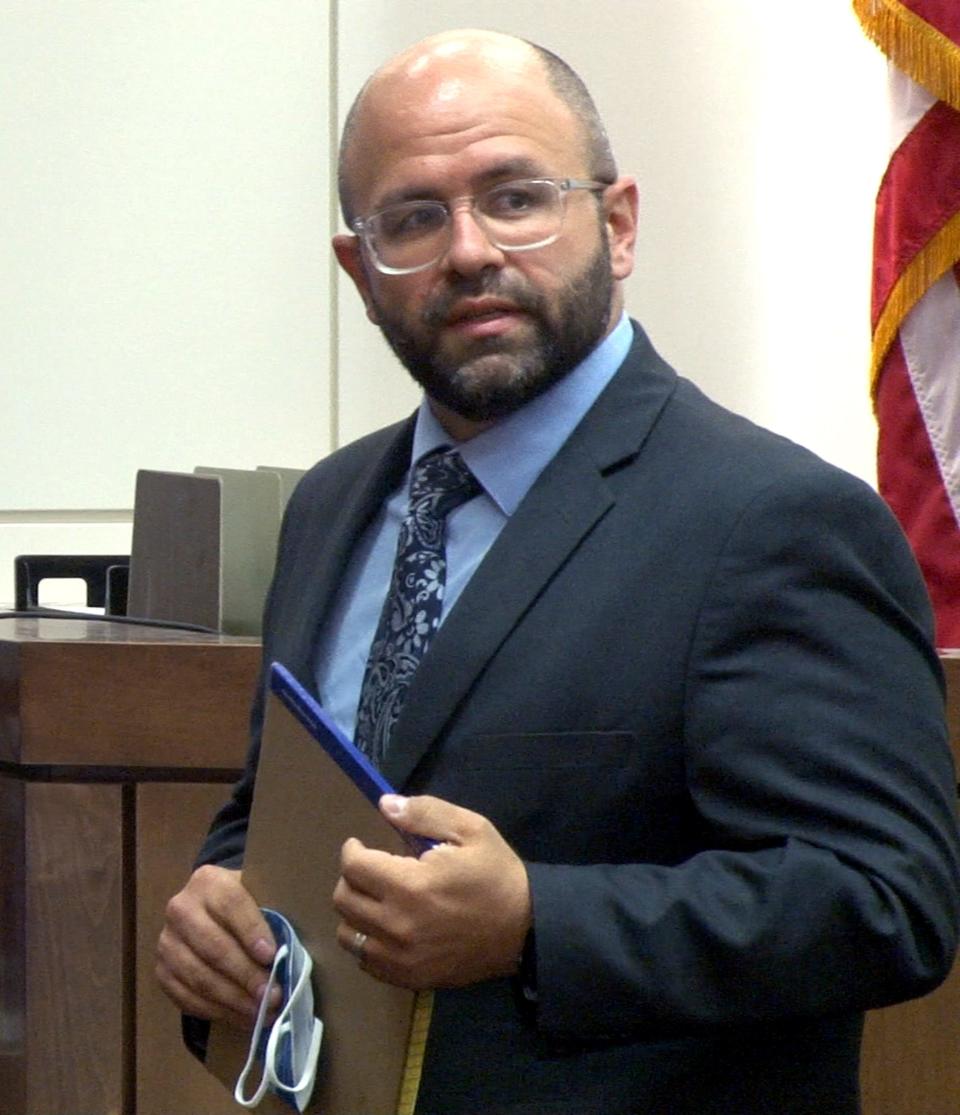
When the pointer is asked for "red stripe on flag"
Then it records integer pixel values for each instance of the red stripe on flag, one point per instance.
(944, 15)
(910, 482)
(919, 193)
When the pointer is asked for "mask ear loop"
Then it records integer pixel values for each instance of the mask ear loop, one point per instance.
(301, 1090)
(238, 1091)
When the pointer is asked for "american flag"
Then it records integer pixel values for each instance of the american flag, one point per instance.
(916, 290)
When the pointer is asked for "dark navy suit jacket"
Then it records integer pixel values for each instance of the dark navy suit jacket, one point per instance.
(692, 684)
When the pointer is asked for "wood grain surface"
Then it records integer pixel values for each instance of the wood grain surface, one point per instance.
(74, 1025)
(171, 822)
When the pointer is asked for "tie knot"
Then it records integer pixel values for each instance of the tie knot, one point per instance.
(442, 482)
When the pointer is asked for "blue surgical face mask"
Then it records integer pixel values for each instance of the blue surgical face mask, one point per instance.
(287, 1050)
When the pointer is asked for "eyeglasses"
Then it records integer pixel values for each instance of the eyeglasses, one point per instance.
(515, 217)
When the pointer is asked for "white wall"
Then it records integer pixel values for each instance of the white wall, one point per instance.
(166, 290)
(164, 273)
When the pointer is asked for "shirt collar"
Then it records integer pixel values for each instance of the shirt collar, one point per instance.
(509, 456)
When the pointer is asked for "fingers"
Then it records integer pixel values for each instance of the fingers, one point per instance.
(432, 817)
(354, 941)
(216, 1004)
(370, 872)
(215, 946)
(457, 914)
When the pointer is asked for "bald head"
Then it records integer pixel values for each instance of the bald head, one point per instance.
(442, 67)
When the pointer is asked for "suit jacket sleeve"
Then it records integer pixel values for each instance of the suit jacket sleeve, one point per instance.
(816, 757)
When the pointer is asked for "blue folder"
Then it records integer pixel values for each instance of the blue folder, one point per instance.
(342, 750)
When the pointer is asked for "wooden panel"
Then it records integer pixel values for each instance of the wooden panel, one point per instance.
(75, 1035)
(171, 822)
(910, 1063)
(951, 668)
(13, 949)
(176, 699)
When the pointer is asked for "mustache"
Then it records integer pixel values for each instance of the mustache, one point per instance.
(441, 305)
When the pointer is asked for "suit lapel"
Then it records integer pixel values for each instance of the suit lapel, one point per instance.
(323, 554)
(539, 538)
(564, 505)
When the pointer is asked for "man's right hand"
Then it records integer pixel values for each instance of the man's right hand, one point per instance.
(215, 950)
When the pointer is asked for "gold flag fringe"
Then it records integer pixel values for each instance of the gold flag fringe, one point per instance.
(929, 265)
(932, 60)
(914, 46)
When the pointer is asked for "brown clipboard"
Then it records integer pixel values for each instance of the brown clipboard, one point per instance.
(304, 808)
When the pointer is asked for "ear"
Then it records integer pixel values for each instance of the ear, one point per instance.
(349, 255)
(621, 207)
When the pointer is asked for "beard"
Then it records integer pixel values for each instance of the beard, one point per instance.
(497, 375)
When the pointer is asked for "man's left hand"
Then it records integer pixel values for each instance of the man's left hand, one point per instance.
(458, 914)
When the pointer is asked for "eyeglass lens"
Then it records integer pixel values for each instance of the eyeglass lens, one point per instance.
(513, 215)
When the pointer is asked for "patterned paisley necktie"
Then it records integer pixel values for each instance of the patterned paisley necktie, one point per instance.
(411, 612)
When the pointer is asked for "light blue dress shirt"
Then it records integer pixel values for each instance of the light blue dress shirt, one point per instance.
(506, 459)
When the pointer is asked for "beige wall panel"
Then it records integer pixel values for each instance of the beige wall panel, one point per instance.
(164, 280)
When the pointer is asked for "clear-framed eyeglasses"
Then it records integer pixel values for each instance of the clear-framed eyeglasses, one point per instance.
(515, 217)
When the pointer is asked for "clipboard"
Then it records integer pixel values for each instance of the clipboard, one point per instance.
(308, 799)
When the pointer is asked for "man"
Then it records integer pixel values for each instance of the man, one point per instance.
(680, 734)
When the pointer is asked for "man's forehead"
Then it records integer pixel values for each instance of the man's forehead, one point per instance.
(386, 167)
(440, 77)
(462, 49)
(459, 97)
(459, 100)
